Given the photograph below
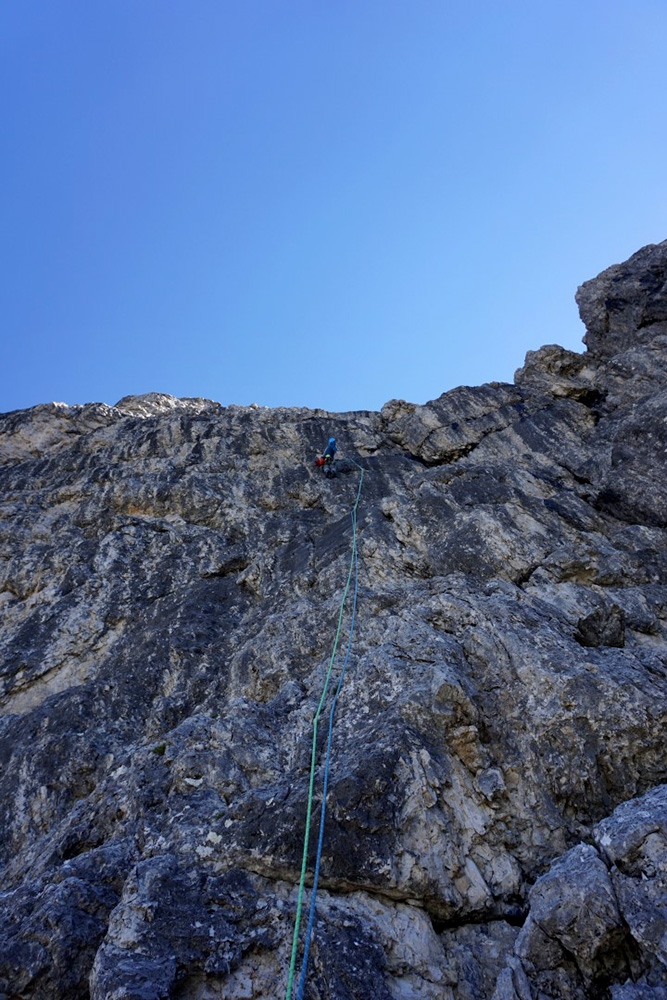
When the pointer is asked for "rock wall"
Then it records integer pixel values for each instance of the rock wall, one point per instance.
(170, 577)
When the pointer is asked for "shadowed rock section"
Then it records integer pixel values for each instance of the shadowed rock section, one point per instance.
(170, 575)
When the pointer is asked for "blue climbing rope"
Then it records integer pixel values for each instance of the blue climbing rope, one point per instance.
(353, 570)
(327, 761)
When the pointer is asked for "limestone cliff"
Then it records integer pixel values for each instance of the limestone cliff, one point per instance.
(170, 576)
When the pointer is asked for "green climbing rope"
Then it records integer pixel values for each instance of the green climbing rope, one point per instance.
(313, 753)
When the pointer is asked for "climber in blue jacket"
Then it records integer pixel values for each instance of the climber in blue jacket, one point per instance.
(326, 459)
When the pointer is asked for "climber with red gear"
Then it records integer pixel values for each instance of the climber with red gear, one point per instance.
(326, 459)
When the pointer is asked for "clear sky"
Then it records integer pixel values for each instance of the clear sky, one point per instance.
(315, 202)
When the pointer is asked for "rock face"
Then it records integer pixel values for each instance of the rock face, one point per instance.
(170, 578)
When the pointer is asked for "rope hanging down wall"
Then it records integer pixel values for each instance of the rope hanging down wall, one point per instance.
(352, 575)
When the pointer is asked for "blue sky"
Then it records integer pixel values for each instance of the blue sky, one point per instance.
(315, 203)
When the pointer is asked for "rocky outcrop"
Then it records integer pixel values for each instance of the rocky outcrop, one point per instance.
(170, 577)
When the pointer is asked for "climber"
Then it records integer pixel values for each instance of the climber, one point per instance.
(326, 459)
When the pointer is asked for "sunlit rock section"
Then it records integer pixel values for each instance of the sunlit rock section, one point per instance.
(170, 577)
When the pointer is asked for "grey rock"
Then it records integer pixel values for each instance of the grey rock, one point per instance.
(634, 841)
(602, 627)
(627, 303)
(171, 573)
(634, 487)
(573, 937)
(596, 919)
(560, 373)
(477, 956)
(638, 991)
(152, 404)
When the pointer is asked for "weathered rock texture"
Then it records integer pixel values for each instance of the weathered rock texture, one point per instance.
(170, 577)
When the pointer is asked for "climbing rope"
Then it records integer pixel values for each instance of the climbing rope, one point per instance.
(352, 571)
